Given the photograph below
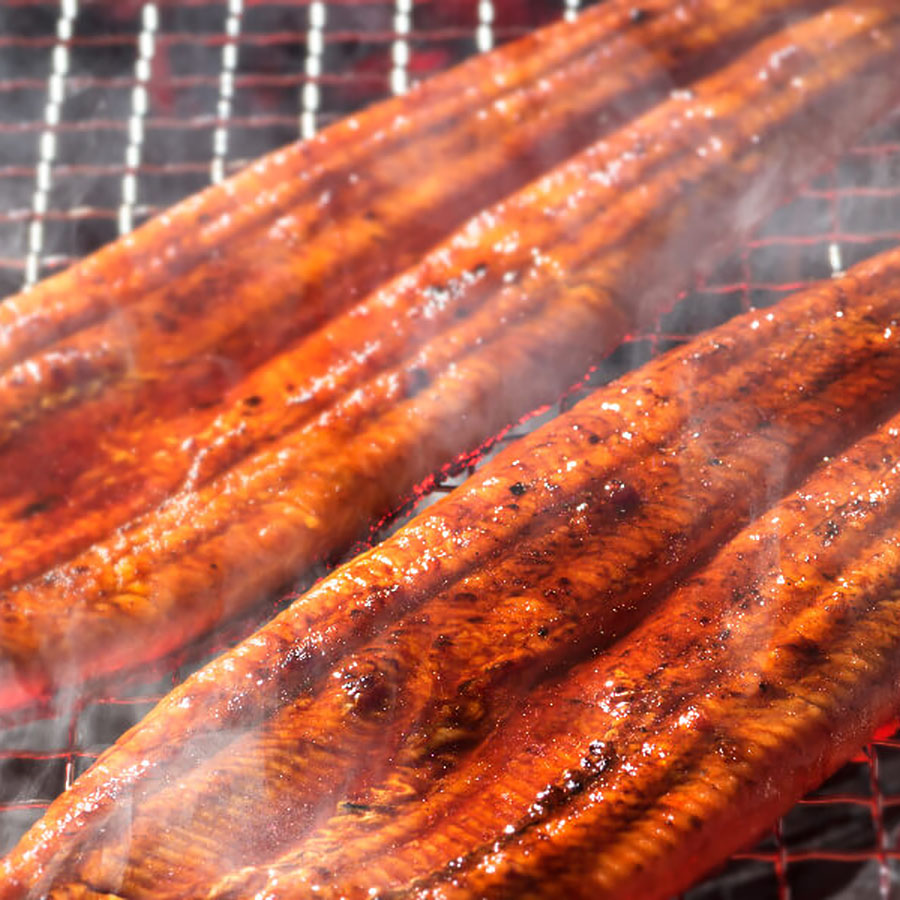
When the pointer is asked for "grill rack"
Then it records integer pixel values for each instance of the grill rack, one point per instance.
(113, 109)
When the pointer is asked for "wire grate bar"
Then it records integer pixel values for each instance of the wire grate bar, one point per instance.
(226, 89)
(136, 122)
(400, 48)
(313, 69)
(484, 34)
(47, 148)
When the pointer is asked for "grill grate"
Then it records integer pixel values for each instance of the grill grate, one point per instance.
(110, 111)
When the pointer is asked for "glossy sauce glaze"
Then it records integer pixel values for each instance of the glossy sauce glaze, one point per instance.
(495, 321)
(165, 320)
(374, 739)
(501, 118)
(644, 768)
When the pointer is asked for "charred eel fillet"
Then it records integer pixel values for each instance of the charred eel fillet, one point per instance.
(494, 323)
(313, 228)
(331, 741)
(139, 342)
(644, 767)
(84, 470)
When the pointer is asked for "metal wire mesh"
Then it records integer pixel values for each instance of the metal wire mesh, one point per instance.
(110, 111)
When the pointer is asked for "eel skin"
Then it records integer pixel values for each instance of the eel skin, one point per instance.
(496, 321)
(645, 767)
(375, 739)
(164, 321)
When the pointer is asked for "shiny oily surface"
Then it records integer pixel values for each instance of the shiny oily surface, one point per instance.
(753, 682)
(460, 338)
(431, 673)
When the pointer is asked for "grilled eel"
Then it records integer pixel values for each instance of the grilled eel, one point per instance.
(312, 228)
(152, 330)
(138, 343)
(642, 768)
(325, 746)
(488, 326)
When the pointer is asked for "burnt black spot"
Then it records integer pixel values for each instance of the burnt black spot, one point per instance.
(349, 806)
(729, 749)
(764, 687)
(38, 506)
(443, 640)
(543, 631)
(547, 802)
(165, 323)
(253, 400)
(832, 530)
(622, 497)
(379, 597)
(513, 506)
(415, 381)
(638, 15)
(703, 620)
(715, 461)
(597, 760)
(805, 650)
(725, 634)
(371, 693)
(518, 489)
(574, 783)
(593, 439)
(214, 565)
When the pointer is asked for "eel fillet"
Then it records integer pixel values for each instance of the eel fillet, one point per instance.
(646, 766)
(479, 678)
(163, 321)
(496, 321)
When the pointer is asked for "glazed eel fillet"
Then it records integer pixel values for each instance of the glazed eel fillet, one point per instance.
(501, 318)
(513, 693)
(140, 341)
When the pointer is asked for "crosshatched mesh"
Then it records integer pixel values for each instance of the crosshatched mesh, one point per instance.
(113, 109)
